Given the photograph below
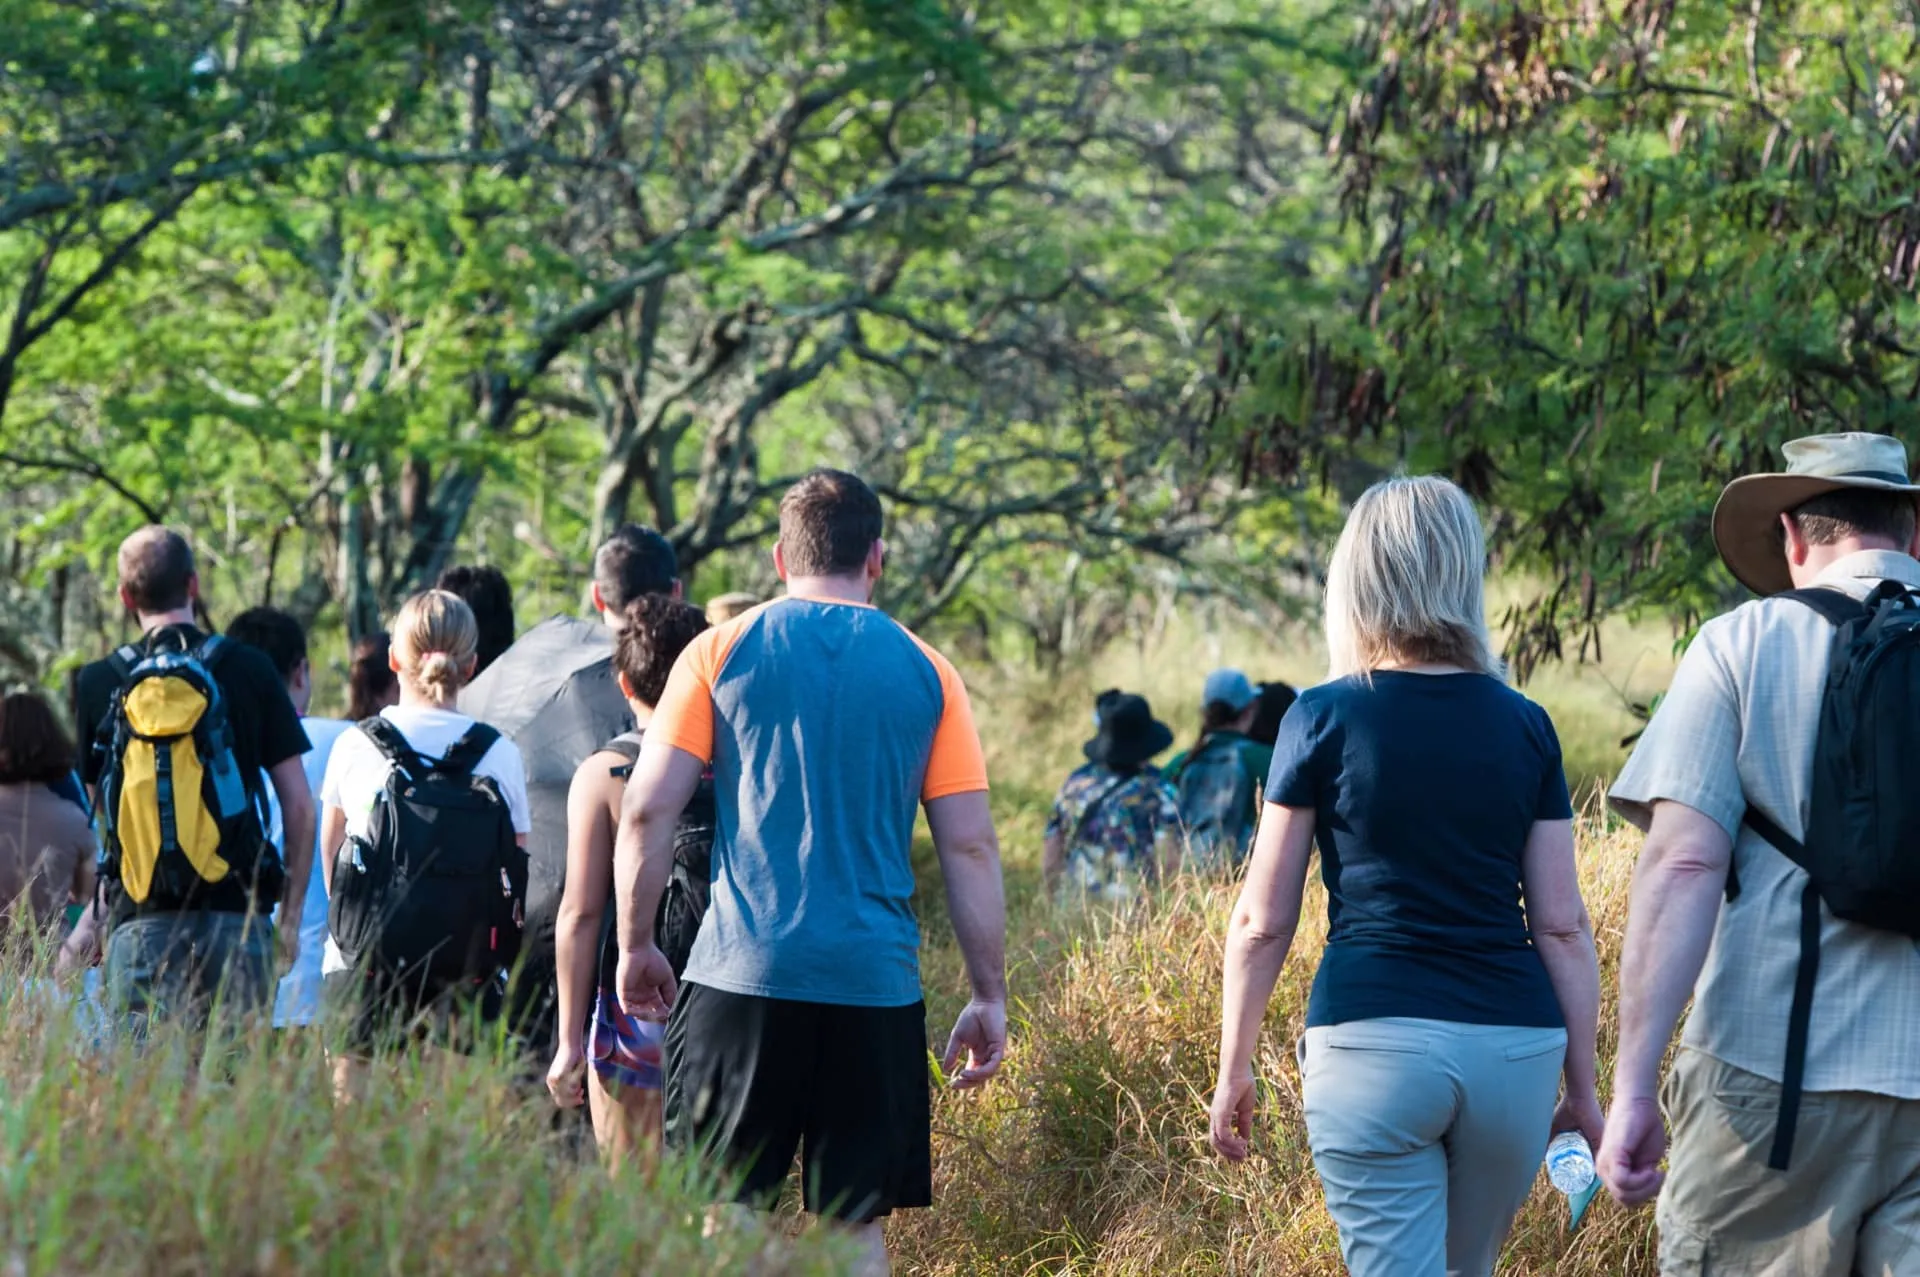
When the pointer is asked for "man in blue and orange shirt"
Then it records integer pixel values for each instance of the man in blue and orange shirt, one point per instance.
(801, 1025)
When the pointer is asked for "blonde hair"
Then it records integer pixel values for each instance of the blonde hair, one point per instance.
(435, 641)
(1406, 585)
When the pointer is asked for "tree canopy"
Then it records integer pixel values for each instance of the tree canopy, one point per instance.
(1113, 300)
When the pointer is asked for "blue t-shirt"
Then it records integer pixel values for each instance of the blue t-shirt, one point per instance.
(827, 725)
(1424, 789)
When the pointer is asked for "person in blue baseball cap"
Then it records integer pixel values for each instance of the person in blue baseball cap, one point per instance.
(1220, 778)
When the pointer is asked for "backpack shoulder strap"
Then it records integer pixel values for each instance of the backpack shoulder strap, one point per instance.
(627, 745)
(392, 745)
(212, 650)
(122, 660)
(1837, 607)
(466, 753)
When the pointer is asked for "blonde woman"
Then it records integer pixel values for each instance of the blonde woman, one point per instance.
(434, 651)
(1459, 983)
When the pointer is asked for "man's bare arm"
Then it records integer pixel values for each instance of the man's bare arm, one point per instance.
(662, 784)
(1677, 889)
(969, 851)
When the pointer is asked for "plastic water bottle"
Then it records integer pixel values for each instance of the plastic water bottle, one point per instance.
(1570, 1163)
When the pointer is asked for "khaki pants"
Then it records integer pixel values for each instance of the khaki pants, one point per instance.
(1850, 1204)
(1427, 1136)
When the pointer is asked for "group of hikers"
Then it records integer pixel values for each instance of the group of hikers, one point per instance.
(1120, 824)
(703, 915)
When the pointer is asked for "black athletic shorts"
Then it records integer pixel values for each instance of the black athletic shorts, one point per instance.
(751, 1080)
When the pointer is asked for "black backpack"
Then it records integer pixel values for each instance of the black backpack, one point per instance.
(1861, 851)
(183, 826)
(437, 891)
(690, 889)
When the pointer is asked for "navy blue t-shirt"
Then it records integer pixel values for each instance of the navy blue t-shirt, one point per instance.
(1424, 789)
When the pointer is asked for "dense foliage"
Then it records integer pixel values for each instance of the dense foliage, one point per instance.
(1115, 300)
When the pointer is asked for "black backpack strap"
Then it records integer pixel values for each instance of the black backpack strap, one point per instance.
(466, 753)
(392, 745)
(121, 661)
(1799, 1022)
(212, 650)
(629, 749)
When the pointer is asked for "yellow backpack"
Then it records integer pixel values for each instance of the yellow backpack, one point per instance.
(183, 827)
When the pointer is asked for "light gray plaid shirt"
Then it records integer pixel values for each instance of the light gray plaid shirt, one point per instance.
(1737, 727)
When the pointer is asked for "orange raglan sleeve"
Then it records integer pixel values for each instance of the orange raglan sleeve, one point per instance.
(957, 764)
(684, 716)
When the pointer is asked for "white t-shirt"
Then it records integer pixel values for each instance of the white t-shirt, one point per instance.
(298, 999)
(357, 772)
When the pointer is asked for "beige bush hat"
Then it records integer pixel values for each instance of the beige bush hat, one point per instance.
(1748, 513)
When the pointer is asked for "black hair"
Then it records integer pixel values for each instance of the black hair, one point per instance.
(656, 630)
(489, 594)
(634, 561)
(274, 632)
(1276, 699)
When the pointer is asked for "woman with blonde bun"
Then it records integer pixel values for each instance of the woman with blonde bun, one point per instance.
(433, 653)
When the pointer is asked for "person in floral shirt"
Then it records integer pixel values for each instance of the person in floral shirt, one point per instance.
(1116, 822)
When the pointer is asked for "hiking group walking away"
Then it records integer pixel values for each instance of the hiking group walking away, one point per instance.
(668, 853)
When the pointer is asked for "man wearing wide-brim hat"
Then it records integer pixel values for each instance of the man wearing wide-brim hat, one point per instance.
(1718, 913)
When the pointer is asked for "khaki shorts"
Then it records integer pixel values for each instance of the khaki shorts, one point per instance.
(1849, 1205)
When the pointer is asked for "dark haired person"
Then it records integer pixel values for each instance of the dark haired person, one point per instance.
(1719, 912)
(371, 683)
(554, 694)
(284, 640)
(168, 961)
(46, 847)
(1275, 699)
(801, 1025)
(489, 596)
(622, 1087)
(1219, 780)
(1115, 825)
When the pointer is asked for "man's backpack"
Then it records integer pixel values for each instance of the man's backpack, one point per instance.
(437, 891)
(183, 827)
(690, 889)
(1861, 850)
(1218, 803)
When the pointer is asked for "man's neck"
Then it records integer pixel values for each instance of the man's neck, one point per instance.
(151, 621)
(831, 589)
(1822, 557)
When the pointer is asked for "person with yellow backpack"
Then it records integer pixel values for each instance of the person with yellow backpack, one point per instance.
(183, 724)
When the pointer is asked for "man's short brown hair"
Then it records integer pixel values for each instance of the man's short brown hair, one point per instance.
(156, 570)
(1863, 512)
(828, 524)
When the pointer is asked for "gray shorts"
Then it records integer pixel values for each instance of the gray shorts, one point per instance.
(187, 967)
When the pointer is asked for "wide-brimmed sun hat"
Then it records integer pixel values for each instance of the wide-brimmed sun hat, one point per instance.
(1747, 517)
(1129, 733)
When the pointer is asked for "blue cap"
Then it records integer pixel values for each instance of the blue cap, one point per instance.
(1231, 687)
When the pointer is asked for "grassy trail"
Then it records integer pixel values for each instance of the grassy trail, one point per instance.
(1087, 1156)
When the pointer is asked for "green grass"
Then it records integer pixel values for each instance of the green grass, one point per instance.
(1087, 1156)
